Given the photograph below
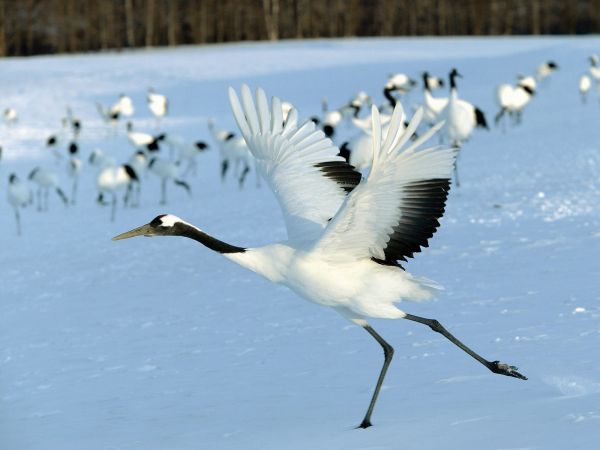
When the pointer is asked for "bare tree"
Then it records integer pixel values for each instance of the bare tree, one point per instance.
(2, 30)
(149, 23)
(172, 21)
(45, 26)
(271, 14)
(129, 23)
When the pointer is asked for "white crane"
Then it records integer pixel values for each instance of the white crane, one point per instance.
(595, 68)
(111, 180)
(233, 151)
(345, 235)
(432, 106)
(545, 69)
(158, 104)
(144, 141)
(512, 99)
(359, 150)
(329, 121)
(585, 83)
(188, 155)
(19, 195)
(10, 116)
(356, 104)
(400, 82)
(46, 180)
(433, 82)
(123, 106)
(167, 171)
(461, 118)
(139, 163)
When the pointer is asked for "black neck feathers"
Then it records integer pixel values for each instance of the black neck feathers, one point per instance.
(328, 130)
(527, 89)
(188, 231)
(426, 81)
(387, 93)
(452, 80)
(130, 172)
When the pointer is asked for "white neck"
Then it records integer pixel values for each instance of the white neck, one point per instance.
(453, 95)
(270, 261)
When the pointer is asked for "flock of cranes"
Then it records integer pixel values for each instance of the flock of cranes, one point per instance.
(354, 212)
(112, 178)
(118, 177)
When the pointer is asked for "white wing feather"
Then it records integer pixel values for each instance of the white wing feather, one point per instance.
(294, 161)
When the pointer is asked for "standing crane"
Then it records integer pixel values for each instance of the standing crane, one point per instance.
(346, 235)
(19, 195)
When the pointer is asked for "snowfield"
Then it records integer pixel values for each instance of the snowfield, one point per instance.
(162, 344)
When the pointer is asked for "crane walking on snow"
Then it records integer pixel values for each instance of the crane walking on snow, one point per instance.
(345, 234)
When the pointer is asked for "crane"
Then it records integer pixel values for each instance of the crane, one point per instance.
(346, 235)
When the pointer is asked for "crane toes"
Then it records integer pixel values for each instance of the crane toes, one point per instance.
(364, 424)
(505, 369)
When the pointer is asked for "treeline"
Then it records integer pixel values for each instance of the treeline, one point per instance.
(30, 27)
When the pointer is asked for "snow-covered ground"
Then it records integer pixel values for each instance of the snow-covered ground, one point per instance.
(162, 344)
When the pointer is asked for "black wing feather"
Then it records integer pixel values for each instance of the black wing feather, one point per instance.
(342, 173)
(423, 203)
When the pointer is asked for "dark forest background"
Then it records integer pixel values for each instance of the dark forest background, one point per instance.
(30, 27)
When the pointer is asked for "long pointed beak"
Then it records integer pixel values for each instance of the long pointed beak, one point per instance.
(144, 230)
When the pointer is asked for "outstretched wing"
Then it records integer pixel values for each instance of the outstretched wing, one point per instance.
(300, 164)
(395, 211)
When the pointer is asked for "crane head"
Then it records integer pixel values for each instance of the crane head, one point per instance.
(162, 225)
(455, 73)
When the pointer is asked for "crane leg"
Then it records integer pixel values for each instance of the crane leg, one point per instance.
(456, 180)
(224, 167)
(494, 366)
(46, 198)
(138, 194)
(163, 191)
(243, 176)
(388, 353)
(113, 207)
(74, 191)
(18, 218)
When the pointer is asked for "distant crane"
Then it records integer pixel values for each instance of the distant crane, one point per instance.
(585, 83)
(158, 104)
(545, 69)
(461, 119)
(167, 170)
(512, 99)
(19, 196)
(113, 179)
(10, 116)
(345, 235)
(46, 180)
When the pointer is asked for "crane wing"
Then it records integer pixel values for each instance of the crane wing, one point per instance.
(394, 212)
(300, 164)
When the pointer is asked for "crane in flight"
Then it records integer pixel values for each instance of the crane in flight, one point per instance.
(346, 235)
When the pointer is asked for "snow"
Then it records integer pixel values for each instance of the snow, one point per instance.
(160, 343)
